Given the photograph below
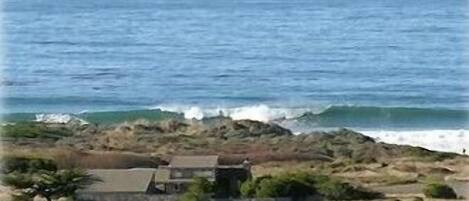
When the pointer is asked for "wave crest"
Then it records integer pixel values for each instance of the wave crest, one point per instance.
(59, 118)
(259, 112)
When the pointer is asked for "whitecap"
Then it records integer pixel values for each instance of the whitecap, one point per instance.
(439, 140)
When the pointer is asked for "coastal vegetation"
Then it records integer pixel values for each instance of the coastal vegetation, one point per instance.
(298, 186)
(200, 190)
(302, 185)
(38, 177)
(26, 165)
(438, 190)
(34, 130)
(346, 159)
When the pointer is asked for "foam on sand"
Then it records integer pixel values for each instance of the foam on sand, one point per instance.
(439, 140)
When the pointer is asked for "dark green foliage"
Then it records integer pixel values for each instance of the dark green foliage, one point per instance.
(249, 187)
(26, 165)
(200, 190)
(336, 190)
(288, 185)
(301, 185)
(49, 184)
(34, 130)
(18, 180)
(442, 191)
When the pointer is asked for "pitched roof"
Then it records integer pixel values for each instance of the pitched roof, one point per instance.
(194, 161)
(121, 180)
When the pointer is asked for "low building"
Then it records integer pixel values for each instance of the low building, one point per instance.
(177, 176)
(168, 180)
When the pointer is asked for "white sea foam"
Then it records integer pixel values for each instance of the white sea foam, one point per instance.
(254, 112)
(59, 118)
(440, 140)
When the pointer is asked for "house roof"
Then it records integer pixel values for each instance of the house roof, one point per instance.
(121, 180)
(194, 161)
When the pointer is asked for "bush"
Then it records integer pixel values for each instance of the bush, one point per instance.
(301, 185)
(335, 190)
(248, 188)
(436, 190)
(26, 165)
(34, 130)
(287, 185)
(49, 184)
(199, 190)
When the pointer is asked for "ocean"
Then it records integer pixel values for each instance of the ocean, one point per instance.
(392, 69)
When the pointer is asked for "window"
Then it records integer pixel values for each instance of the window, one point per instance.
(203, 173)
(177, 174)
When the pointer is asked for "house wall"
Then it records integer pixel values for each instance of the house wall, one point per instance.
(230, 179)
(189, 173)
(176, 188)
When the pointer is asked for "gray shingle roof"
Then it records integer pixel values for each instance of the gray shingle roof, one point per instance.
(121, 180)
(194, 161)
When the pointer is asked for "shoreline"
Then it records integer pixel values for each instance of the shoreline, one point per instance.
(351, 156)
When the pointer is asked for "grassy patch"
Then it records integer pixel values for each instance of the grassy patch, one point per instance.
(430, 155)
(34, 130)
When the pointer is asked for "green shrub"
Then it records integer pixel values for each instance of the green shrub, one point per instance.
(435, 190)
(248, 188)
(49, 184)
(336, 190)
(269, 188)
(26, 165)
(301, 185)
(287, 185)
(199, 190)
(34, 130)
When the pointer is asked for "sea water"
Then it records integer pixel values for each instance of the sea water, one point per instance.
(393, 69)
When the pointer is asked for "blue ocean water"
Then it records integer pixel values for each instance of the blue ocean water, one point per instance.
(401, 62)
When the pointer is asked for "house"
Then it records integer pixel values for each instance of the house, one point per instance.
(166, 180)
(178, 175)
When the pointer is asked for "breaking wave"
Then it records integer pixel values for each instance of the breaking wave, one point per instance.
(254, 112)
(59, 118)
(336, 116)
(432, 128)
(361, 117)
